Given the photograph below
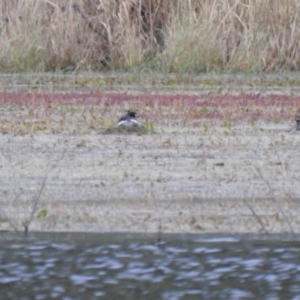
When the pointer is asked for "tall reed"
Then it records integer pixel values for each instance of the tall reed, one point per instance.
(164, 35)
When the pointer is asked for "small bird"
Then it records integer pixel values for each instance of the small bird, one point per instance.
(297, 119)
(129, 120)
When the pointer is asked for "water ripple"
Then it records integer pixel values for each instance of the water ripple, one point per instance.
(201, 268)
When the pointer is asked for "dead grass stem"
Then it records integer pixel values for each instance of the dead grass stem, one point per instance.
(38, 197)
(177, 36)
(277, 202)
(261, 223)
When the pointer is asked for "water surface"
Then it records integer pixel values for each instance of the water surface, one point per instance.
(132, 266)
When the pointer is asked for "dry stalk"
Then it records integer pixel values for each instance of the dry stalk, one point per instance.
(15, 228)
(38, 197)
(256, 216)
(77, 8)
(277, 202)
(181, 35)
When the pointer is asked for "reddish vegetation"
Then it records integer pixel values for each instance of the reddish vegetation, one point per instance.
(222, 107)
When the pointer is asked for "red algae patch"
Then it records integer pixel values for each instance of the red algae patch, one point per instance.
(98, 110)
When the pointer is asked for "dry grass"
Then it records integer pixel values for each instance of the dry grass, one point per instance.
(177, 36)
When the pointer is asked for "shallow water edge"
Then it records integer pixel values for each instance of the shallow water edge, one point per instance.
(138, 266)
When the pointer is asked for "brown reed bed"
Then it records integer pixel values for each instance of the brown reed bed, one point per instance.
(169, 36)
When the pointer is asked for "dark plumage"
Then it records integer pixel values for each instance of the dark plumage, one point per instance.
(297, 119)
(129, 120)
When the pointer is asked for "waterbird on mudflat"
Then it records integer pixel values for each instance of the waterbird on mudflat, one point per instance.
(129, 120)
(297, 119)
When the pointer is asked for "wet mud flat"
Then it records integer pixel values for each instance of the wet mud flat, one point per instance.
(208, 177)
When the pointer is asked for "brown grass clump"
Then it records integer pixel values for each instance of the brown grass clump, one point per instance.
(177, 36)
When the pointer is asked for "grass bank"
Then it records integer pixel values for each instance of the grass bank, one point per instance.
(168, 36)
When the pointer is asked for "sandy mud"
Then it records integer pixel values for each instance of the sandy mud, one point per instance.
(242, 178)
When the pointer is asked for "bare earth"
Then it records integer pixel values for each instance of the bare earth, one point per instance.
(181, 179)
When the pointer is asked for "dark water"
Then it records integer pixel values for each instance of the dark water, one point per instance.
(128, 266)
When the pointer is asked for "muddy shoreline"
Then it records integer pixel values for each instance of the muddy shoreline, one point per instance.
(214, 164)
(176, 180)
